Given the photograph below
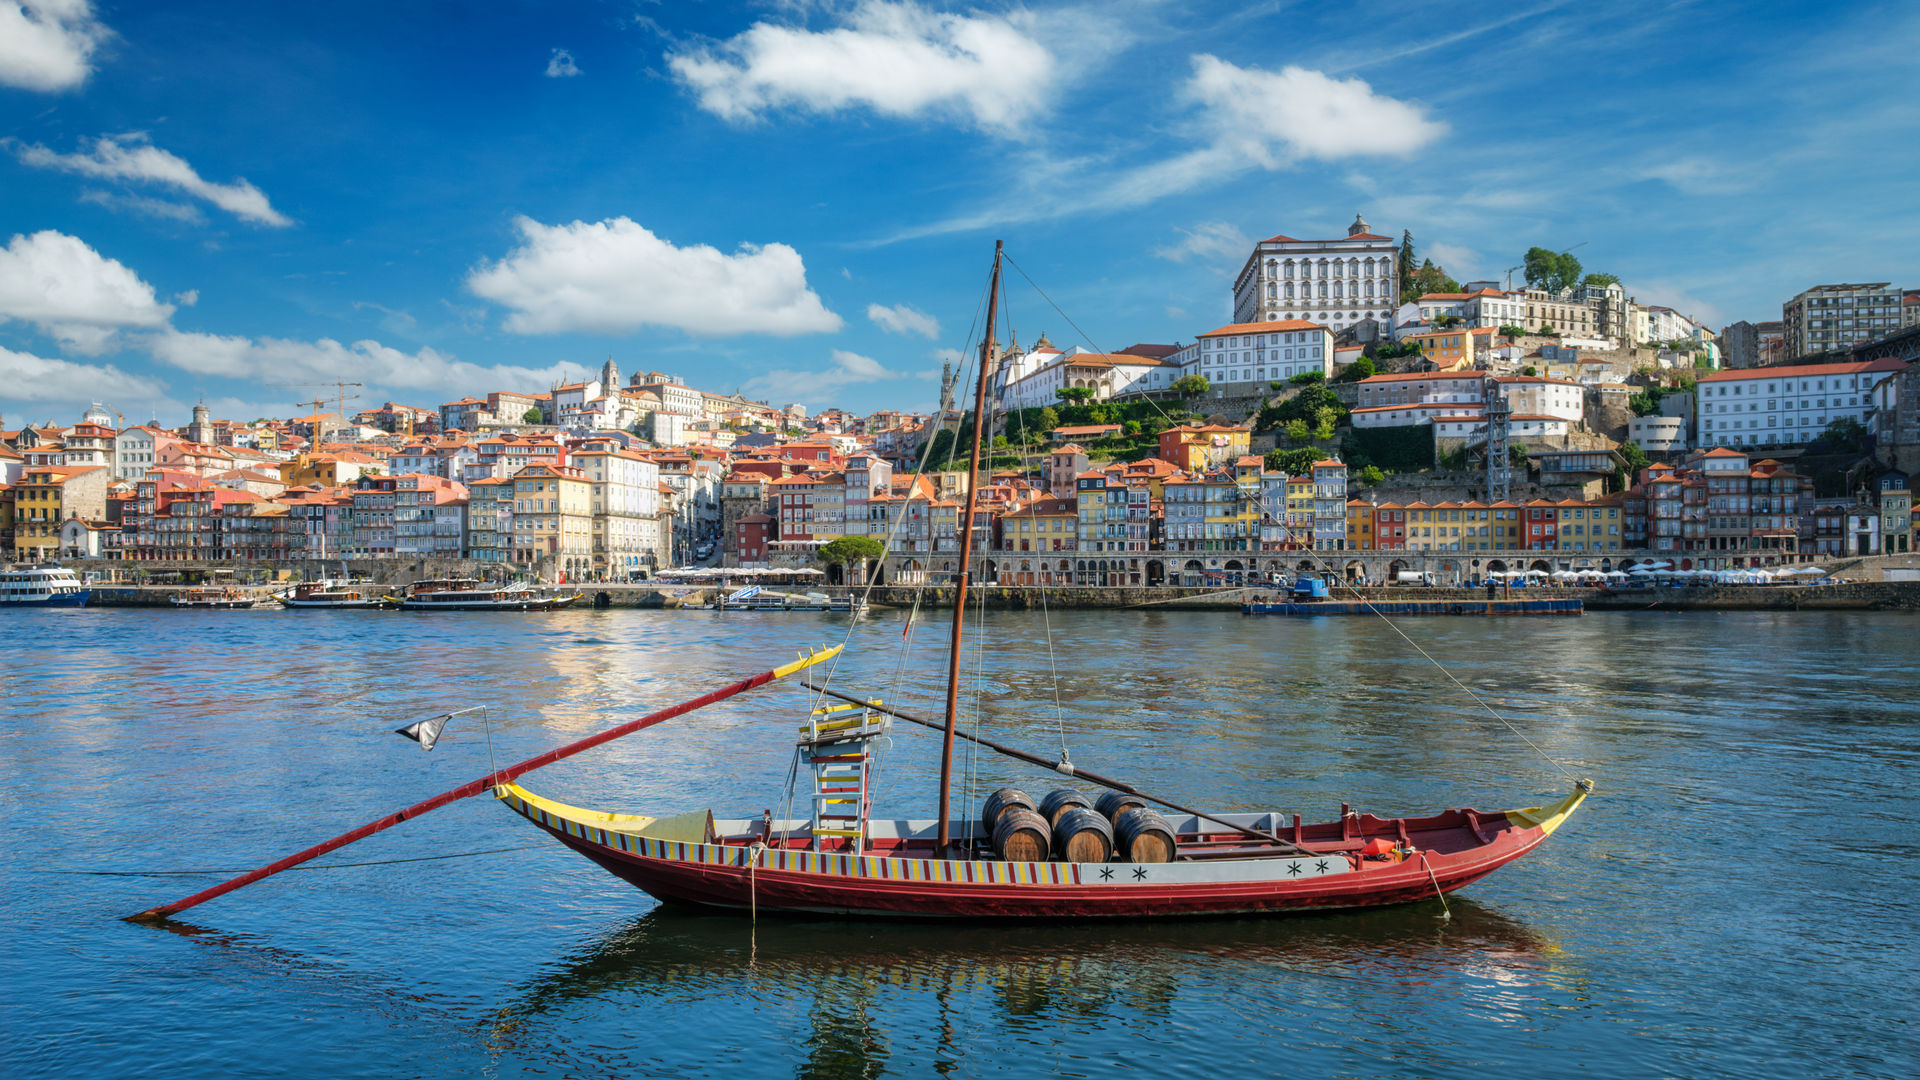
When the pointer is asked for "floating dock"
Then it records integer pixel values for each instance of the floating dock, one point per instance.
(1543, 606)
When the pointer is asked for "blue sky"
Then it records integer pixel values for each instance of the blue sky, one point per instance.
(242, 202)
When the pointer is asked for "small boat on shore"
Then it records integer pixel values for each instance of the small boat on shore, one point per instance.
(227, 598)
(755, 598)
(346, 595)
(42, 585)
(472, 594)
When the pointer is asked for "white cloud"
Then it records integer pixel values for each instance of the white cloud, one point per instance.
(26, 377)
(145, 205)
(1703, 176)
(901, 319)
(188, 298)
(1213, 241)
(614, 277)
(1460, 263)
(1271, 118)
(283, 362)
(132, 158)
(1668, 294)
(897, 59)
(846, 369)
(72, 292)
(561, 65)
(48, 44)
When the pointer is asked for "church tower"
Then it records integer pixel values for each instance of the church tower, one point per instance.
(610, 378)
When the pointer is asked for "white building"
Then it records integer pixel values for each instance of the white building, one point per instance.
(1480, 309)
(1423, 387)
(626, 509)
(1249, 355)
(1658, 433)
(1532, 394)
(1456, 419)
(1334, 282)
(1108, 375)
(1785, 406)
(134, 451)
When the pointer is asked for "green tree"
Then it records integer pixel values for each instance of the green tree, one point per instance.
(1324, 420)
(1602, 280)
(1846, 434)
(1291, 462)
(1188, 386)
(1408, 289)
(999, 442)
(1076, 395)
(1048, 419)
(1306, 377)
(1370, 476)
(942, 449)
(1362, 368)
(1510, 330)
(532, 416)
(1634, 457)
(1529, 370)
(860, 550)
(1298, 431)
(1550, 270)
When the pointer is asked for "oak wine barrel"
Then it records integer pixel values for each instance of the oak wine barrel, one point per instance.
(1059, 801)
(1115, 803)
(1021, 835)
(1005, 799)
(1144, 836)
(1082, 835)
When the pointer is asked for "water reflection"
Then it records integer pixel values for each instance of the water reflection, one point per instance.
(864, 989)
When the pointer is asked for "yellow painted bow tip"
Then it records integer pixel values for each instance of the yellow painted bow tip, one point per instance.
(807, 660)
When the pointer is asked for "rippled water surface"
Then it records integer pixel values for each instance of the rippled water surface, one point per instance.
(1739, 898)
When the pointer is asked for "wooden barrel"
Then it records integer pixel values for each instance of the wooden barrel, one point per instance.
(1059, 801)
(1144, 836)
(1021, 835)
(1083, 835)
(1115, 803)
(1005, 799)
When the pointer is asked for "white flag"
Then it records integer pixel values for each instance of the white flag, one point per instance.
(424, 732)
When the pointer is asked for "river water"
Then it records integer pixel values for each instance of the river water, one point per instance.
(1738, 898)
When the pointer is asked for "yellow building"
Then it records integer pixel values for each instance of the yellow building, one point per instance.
(553, 517)
(1359, 525)
(328, 470)
(48, 495)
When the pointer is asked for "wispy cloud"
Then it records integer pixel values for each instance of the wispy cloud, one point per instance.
(844, 369)
(901, 319)
(561, 65)
(131, 157)
(1211, 241)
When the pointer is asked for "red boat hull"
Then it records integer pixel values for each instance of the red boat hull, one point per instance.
(1453, 850)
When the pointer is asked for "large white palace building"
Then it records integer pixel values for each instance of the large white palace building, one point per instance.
(1332, 282)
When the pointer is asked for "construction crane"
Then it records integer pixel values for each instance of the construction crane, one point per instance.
(341, 397)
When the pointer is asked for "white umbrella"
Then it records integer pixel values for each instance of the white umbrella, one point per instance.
(1536, 573)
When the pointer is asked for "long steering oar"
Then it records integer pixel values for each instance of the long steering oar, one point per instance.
(485, 783)
(1065, 768)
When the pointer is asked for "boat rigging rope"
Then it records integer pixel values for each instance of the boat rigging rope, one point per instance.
(1446, 912)
(1326, 567)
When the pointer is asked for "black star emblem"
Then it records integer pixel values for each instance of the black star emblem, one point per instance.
(1321, 866)
(1139, 873)
(1293, 869)
(1106, 873)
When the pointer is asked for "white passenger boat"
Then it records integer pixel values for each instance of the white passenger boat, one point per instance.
(472, 594)
(42, 585)
(333, 594)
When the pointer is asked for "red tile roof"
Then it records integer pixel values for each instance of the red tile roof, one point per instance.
(1263, 327)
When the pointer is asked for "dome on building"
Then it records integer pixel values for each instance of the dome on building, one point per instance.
(1359, 226)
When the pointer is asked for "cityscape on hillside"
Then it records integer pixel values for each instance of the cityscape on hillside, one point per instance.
(1362, 402)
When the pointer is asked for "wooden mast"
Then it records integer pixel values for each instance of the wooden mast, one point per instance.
(966, 556)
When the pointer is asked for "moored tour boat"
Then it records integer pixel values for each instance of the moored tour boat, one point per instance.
(42, 585)
(309, 595)
(472, 594)
(222, 598)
